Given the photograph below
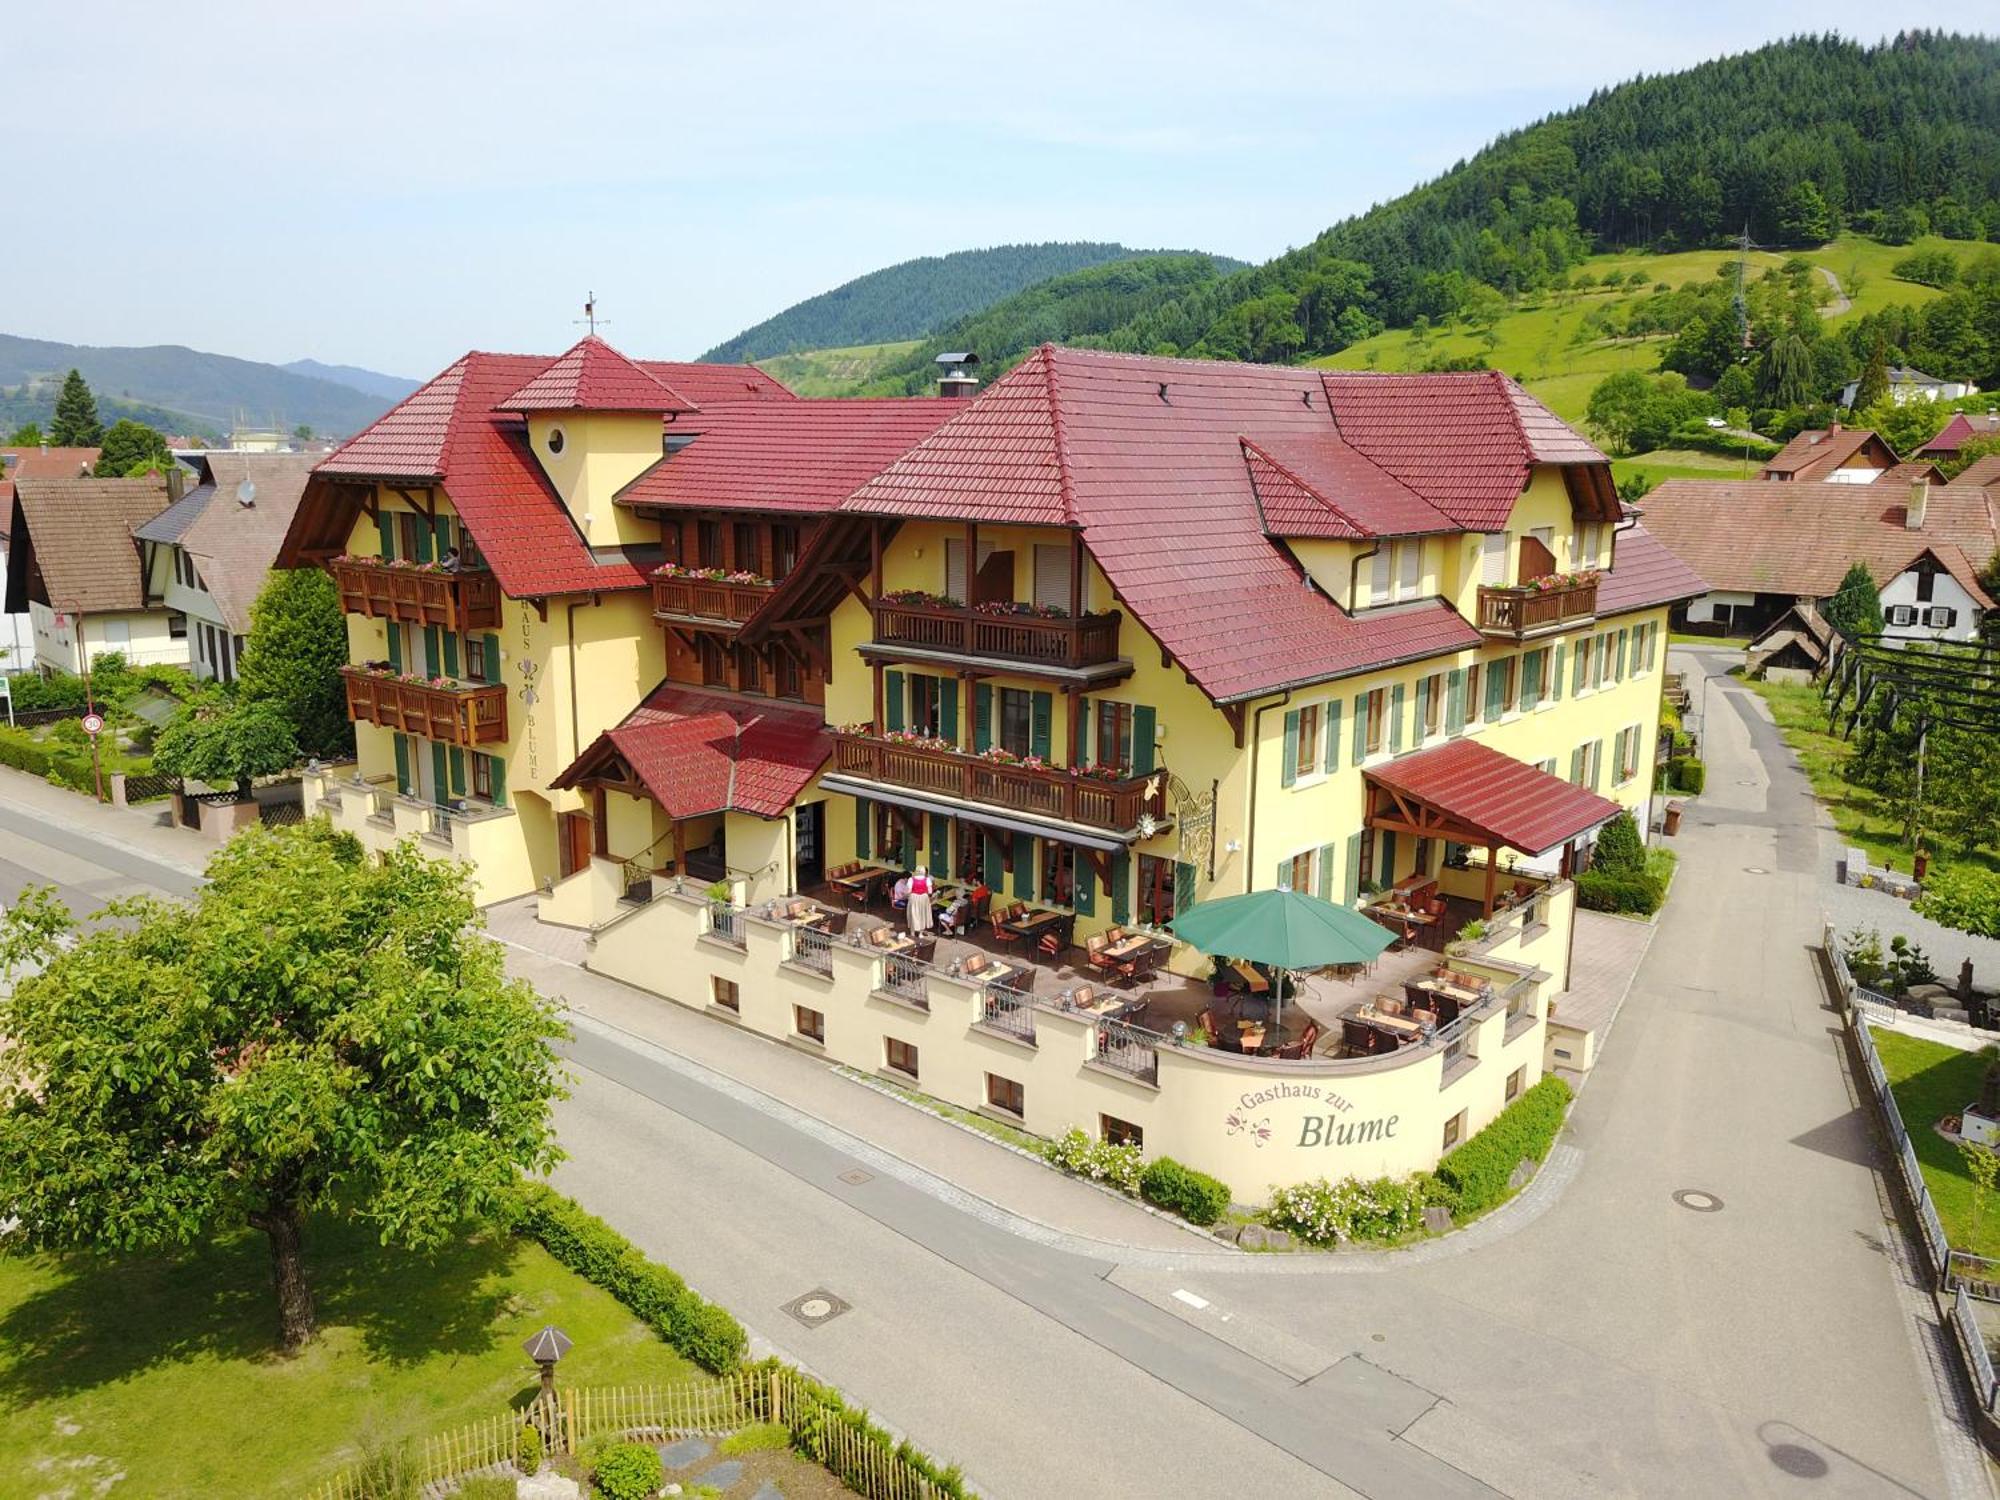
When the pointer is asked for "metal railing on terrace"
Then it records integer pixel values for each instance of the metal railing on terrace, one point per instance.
(1129, 1049)
(1008, 1010)
(812, 949)
(725, 922)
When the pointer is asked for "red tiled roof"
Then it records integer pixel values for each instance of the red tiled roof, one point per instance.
(1644, 574)
(1963, 425)
(1980, 472)
(787, 455)
(1513, 803)
(700, 753)
(1910, 470)
(1317, 486)
(42, 463)
(593, 376)
(710, 385)
(1757, 537)
(1817, 452)
(1463, 440)
(1158, 483)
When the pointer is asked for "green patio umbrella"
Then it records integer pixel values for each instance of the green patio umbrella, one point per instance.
(1284, 929)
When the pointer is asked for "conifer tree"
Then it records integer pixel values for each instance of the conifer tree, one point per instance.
(1874, 376)
(76, 424)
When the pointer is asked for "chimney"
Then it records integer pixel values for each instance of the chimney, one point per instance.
(1913, 513)
(45, 447)
(955, 379)
(176, 483)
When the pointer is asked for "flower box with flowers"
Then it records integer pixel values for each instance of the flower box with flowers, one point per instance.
(739, 576)
(921, 599)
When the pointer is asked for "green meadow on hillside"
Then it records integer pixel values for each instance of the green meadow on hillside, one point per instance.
(834, 372)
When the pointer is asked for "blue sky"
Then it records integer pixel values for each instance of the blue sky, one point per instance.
(389, 184)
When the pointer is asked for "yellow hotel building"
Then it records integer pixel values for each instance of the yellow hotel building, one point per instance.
(1116, 635)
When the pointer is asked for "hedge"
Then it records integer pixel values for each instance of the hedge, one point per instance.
(827, 1409)
(1630, 892)
(1195, 1196)
(696, 1328)
(1686, 774)
(1474, 1176)
(1705, 439)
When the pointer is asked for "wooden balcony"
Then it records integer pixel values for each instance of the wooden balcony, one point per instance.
(1112, 806)
(466, 600)
(471, 713)
(1520, 610)
(1089, 641)
(708, 601)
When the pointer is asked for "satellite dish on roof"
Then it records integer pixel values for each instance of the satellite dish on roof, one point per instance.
(246, 492)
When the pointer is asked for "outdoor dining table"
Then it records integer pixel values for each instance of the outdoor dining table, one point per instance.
(997, 974)
(1130, 947)
(1105, 1005)
(1445, 987)
(1250, 1034)
(1257, 982)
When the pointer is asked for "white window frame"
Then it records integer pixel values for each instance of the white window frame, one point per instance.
(1409, 569)
(1493, 558)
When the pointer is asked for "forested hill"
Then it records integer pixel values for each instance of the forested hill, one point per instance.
(914, 298)
(1795, 141)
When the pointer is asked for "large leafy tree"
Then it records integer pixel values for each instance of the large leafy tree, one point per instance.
(1856, 606)
(27, 435)
(1788, 372)
(76, 424)
(298, 643)
(131, 448)
(319, 1032)
(226, 742)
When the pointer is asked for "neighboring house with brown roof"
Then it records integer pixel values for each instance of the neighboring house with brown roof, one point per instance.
(1793, 647)
(1765, 547)
(1963, 427)
(1835, 455)
(207, 555)
(76, 572)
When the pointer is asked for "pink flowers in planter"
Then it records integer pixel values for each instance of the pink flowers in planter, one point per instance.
(1016, 607)
(1550, 583)
(712, 575)
(922, 598)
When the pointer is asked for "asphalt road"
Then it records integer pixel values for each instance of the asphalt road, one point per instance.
(85, 870)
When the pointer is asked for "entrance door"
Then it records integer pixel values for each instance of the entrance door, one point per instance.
(573, 841)
(809, 844)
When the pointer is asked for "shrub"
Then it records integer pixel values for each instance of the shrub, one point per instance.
(1100, 1161)
(813, 1411)
(1619, 846)
(528, 1451)
(1966, 897)
(1474, 1176)
(1631, 892)
(1686, 774)
(1330, 1213)
(629, 1471)
(1195, 1196)
(33, 693)
(700, 1330)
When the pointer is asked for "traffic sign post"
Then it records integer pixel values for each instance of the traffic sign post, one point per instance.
(93, 725)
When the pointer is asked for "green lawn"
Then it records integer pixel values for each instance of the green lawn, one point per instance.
(161, 1369)
(1930, 1081)
(834, 372)
(1858, 814)
(1684, 463)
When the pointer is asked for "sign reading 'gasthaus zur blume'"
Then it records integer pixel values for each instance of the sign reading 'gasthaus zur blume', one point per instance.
(1251, 1117)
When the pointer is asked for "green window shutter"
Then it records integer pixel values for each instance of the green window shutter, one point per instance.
(1360, 727)
(1576, 678)
(1144, 724)
(402, 763)
(1385, 870)
(1121, 887)
(1085, 897)
(995, 870)
(1354, 869)
(906, 846)
(1184, 877)
(443, 535)
(948, 708)
(496, 766)
(1496, 691)
(1576, 766)
(1332, 712)
(493, 658)
(1596, 762)
(1324, 860)
(1622, 641)
(1556, 676)
(1026, 851)
(1288, 770)
(940, 843)
(423, 535)
(1423, 710)
(982, 718)
(431, 650)
(1531, 679)
(440, 773)
(457, 772)
(386, 524)
(1041, 716)
(450, 653)
(395, 647)
(1396, 719)
(862, 814)
(1454, 702)
(892, 700)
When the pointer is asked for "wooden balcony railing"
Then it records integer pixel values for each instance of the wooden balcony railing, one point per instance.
(707, 599)
(1114, 806)
(1519, 611)
(1089, 641)
(466, 600)
(470, 713)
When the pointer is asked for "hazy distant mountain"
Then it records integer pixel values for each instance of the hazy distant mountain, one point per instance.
(917, 297)
(207, 391)
(370, 382)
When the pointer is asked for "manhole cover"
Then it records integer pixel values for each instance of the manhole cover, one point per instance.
(855, 1176)
(1755, 870)
(815, 1308)
(1700, 1202)
(1802, 1462)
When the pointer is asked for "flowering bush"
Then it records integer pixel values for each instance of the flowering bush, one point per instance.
(1332, 1213)
(1099, 1161)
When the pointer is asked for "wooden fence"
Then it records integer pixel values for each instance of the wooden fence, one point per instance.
(659, 1414)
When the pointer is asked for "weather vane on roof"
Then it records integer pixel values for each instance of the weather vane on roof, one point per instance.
(590, 316)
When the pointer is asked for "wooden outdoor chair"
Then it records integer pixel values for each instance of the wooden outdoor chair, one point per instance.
(1093, 954)
(1052, 943)
(976, 964)
(832, 923)
(1357, 1038)
(1083, 995)
(1002, 933)
(922, 949)
(1303, 1048)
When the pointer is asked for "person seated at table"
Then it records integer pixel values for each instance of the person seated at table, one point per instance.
(956, 918)
(899, 894)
